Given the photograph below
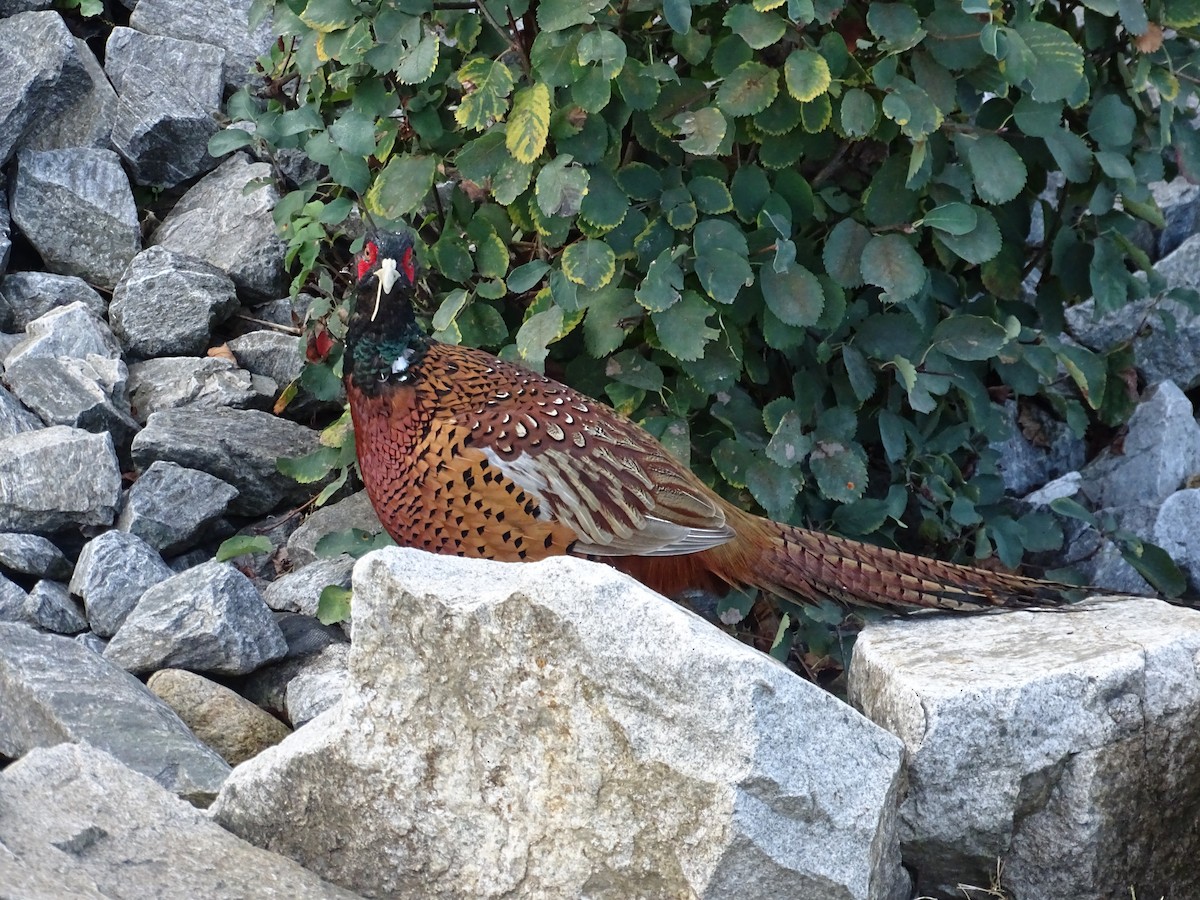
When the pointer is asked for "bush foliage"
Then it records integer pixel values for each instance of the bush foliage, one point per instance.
(807, 243)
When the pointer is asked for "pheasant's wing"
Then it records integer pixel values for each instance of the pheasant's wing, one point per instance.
(592, 469)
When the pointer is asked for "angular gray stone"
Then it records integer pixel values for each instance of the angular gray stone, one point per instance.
(318, 685)
(558, 730)
(41, 74)
(173, 508)
(313, 648)
(1161, 449)
(170, 92)
(72, 330)
(1179, 201)
(77, 209)
(64, 391)
(202, 382)
(299, 591)
(113, 571)
(51, 608)
(353, 512)
(1060, 742)
(32, 554)
(220, 22)
(239, 446)
(210, 618)
(86, 120)
(80, 825)
(33, 294)
(1177, 530)
(14, 605)
(14, 418)
(218, 223)
(167, 303)
(289, 312)
(1039, 448)
(271, 353)
(57, 477)
(56, 690)
(5, 237)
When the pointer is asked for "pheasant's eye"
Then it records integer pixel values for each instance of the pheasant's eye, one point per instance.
(370, 253)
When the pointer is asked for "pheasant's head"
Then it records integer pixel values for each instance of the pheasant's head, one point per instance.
(383, 338)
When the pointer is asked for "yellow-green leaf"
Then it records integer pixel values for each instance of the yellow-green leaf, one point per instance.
(401, 186)
(325, 16)
(807, 75)
(529, 123)
(486, 85)
(589, 263)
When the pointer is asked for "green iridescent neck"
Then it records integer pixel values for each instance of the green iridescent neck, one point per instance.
(384, 353)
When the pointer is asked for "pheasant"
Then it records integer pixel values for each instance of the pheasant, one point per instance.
(464, 453)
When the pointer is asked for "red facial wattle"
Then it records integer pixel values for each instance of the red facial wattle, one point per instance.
(366, 261)
(410, 271)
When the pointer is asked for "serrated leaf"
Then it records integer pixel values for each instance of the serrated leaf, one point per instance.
(325, 16)
(897, 25)
(1058, 66)
(780, 117)
(711, 195)
(556, 15)
(840, 470)
(1087, 370)
(980, 244)
(748, 89)
(952, 218)
(1071, 153)
(859, 113)
(806, 74)
(449, 310)
(733, 460)
(417, 63)
(561, 186)
(661, 287)
(401, 186)
(537, 333)
(789, 445)
(243, 545)
(969, 337)
(999, 172)
(486, 85)
(491, 256)
(890, 262)
(678, 14)
(794, 296)
(589, 263)
(842, 253)
(529, 123)
(354, 132)
(683, 328)
(774, 488)
(703, 130)
(605, 48)
(526, 277)
(758, 29)
(1111, 122)
(309, 468)
(1181, 13)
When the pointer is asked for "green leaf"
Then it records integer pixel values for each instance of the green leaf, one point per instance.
(969, 337)
(789, 445)
(529, 123)
(1058, 67)
(860, 373)
(486, 86)
(683, 328)
(605, 48)
(556, 15)
(704, 130)
(1087, 370)
(333, 606)
(774, 488)
(354, 132)
(417, 63)
(780, 117)
(897, 25)
(859, 113)
(449, 310)
(326, 16)
(1071, 153)
(228, 140)
(401, 186)
(526, 277)
(980, 244)
(678, 14)
(711, 195)
(840, 469)
(640, 181)
(758, 29)
(733, 460)
(537, 332)
(999, 172)
(309, 468)
(353, 541)
(1111, 122)
(748, 89)
(560, 187)
(890, 262)
(952, 218)
(605, 205)
(243, 545)
(1037, 119)
(842, 253)
(794, 296)
(1181, 13)
(491, 256)
(1155, 565)
(589, 263)
(661, 287)
(807, 75)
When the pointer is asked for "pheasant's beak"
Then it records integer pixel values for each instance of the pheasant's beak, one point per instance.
(387, 276)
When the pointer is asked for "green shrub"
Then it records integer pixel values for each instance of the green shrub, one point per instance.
(807, 244)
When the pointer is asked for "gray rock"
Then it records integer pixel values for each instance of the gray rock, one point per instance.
(113, 571)
(201, 382)
(72, 330)
(64, 391)
(300, 590)
(353, 512)
(51, 608)
(170, 92)
(5, 236)
(1177, 530)
(14, 418)
(41, 74)
(33, 294)
(239, 446)
(14, 605)
(289, 312)
(77, 209)
(306, 636)
(207, 619)
(271, 353)
(1179, 201)
(167, 303)
(220, 22)
(1061, 743)
(91, 642)
(34, 555)
(233, 230)
(1039, 448)
(79, 824)
(12, 7)
(58, 690)
(319, 685)
(173, 508)
(57, 477)
(559, 730)
(87, 120)
(268, 687)
(231, 725)
(1160, 450)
